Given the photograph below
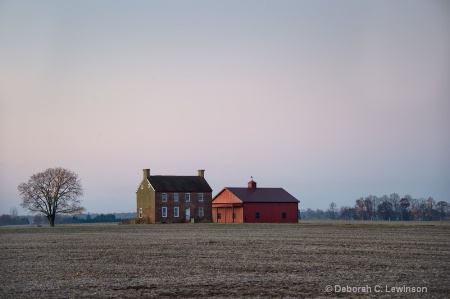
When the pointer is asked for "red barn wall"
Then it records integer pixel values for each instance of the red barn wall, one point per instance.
(271, 212)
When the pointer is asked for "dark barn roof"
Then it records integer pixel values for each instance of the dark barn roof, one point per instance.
(169, 183)
(261, 194)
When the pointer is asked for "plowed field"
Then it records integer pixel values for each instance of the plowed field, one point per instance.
(305, 260)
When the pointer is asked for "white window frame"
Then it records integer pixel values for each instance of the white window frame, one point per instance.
(175, 197)
(176, 212)
(187, 197)
(201, 212)
(164, 197)
(200, 197)
(164, 212)
(140, 212)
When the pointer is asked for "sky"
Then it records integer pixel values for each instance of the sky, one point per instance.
(330, 100)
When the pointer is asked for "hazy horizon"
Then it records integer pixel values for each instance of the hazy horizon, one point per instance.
(330, 100)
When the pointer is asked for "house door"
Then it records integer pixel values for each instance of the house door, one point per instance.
(188, 214)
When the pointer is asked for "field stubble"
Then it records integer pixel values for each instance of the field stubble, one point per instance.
(223, 261)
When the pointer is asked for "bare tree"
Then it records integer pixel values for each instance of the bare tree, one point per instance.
(56, 190)
(332, 211)
(368, 204)
(394, 199)
(360, 208)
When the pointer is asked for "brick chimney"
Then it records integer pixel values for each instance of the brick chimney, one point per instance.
(146, 173)
(201, 173)
(252, 184)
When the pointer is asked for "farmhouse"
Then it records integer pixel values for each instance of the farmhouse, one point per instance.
(168, 198)
(252, 204)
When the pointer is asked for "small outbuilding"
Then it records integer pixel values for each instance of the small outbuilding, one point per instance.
(252, 204)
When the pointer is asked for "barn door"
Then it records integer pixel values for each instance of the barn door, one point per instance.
(188, 214)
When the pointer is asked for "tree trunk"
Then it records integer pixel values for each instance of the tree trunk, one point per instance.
(51, 220)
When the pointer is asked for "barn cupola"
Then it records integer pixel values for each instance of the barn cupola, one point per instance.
(252, 184)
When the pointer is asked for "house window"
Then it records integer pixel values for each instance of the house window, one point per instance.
(164, 197)
(175, 197)
(187, 197)
(219, 215)
(283, 215)
(164, 212)
(140, 212)
(257, 216)
(176, 212)
(200, 212)
(200, 197)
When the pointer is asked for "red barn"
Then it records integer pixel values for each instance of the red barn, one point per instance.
(251, 204)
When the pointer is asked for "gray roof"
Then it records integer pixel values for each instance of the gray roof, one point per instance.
(261, 194)
(171, 183)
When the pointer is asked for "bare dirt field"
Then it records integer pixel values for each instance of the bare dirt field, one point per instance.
(305, 260)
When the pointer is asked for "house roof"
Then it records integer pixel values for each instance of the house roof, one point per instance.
(171, 183)
(260, 194)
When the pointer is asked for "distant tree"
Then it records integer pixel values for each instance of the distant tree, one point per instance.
(428, 210)
(360, 208)
(385, 210)
(10, 220)
(442, 207)
(332, 211)
(404, 205)
(56, 190)
(368, 208)
(416, 212)
(394, 199)
(348, 213)
(38, 219)
(320, 214)
(13, 212)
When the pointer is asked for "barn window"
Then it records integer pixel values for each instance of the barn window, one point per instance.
(200, 212)
(175, 197)
(219, 215)
(164, 211)
(200, 197)
(140, 212)
(257, 216)
(187, 197)
(176, 212)
(283, 215)
(164, 197)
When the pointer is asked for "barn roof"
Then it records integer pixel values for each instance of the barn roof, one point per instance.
(261, 194)
(171, 183)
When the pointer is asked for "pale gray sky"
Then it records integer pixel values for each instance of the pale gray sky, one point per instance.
(331, 100)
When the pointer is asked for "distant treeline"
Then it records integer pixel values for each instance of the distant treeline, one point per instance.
(392, 208)
(13, 220)
(62, 219)
(72, 219)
